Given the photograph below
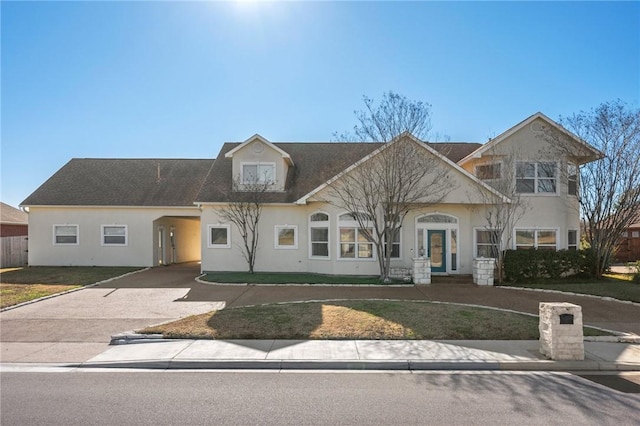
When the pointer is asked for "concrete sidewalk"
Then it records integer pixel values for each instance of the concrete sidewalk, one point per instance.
(360, 355)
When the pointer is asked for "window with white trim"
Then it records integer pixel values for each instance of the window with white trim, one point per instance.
(572, 239)
(487, 243)
(253, 173)
(395, 245)
(65, 234)
(635, 234)
(219, 236)
(114, 235)
(572, 179)
(355, 242)
(489, 171)
(536, 238)
(536, 178)
(286, 237)
(319, 235)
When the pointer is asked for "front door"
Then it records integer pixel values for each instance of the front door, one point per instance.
(437, 250)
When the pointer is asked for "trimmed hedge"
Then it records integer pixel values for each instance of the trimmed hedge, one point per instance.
(522, 265)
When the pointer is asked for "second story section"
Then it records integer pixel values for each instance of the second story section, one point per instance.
(535, 158)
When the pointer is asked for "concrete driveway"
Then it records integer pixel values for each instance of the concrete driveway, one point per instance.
(77, 326)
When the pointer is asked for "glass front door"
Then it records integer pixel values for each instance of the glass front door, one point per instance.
(437, 250)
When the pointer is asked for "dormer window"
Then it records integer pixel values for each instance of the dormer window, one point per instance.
(253, 173)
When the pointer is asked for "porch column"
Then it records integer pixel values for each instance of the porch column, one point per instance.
(421, 270)
(483, 270)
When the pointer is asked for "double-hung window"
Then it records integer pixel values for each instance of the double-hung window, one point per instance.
(395, 245)
(258, 173)
(114, 235)
(536, 238)
(572, 179)
(65, 234)
(319, 235)
(536, 178)
(355, 242)
(487, 243)
(572, 239)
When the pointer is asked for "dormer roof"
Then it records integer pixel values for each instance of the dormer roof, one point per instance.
(285, 155)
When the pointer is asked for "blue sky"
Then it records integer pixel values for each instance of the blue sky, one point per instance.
(177, 79)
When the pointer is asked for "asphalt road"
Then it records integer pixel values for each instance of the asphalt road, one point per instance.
(249, 398)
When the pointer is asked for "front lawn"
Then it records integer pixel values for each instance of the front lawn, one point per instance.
(22, 285)
(385, 320)
(289, 278)
(621, 289)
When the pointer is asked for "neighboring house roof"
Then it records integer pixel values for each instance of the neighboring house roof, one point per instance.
(123, 182)
(12, 216)
(315, 164)
(591, 153)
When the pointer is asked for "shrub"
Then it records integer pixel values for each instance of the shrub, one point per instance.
(635, 270)
(521, 265)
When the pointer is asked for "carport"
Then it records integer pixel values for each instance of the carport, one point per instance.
(176, 240)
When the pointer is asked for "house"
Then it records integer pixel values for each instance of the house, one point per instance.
(13, 222)
(628, 249)
(14, 227)
(148, 212)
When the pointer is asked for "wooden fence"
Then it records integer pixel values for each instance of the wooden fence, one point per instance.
(13, 251)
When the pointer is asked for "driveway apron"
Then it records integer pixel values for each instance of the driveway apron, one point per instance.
(77, 326)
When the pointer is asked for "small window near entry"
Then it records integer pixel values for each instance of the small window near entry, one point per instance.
(286, 237)
(65, 234)
(114, 235)
(395, 245)
(219, 236)
(487, 244)
(319, 235)
(572, 239)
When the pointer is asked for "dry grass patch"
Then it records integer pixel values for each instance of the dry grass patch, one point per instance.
(356, 320)
(24, 284)
(12, 294)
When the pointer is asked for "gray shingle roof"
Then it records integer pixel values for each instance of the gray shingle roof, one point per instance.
(315, 163)
(123, 182)
(134, 182)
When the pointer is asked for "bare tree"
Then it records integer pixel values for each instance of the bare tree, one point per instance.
(402, 175)
(244, 211)
(609, 191)
(500, 213)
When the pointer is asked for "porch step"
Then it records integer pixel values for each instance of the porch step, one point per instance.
(451, 279)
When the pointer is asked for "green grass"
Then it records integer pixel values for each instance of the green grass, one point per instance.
(24, 284)
(289, 278)
(385, 320)
(618, 288)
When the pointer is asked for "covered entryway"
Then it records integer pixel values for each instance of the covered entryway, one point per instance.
(176, 240)
(437, 238)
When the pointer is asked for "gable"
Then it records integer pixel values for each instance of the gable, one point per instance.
(465, 186)
(531, 137)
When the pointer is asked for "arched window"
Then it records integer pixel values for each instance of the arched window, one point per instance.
(319, 235)
(437, 218)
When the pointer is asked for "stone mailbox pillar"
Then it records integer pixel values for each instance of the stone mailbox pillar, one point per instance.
(483, 270)
(560, 328)
(421, 270)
